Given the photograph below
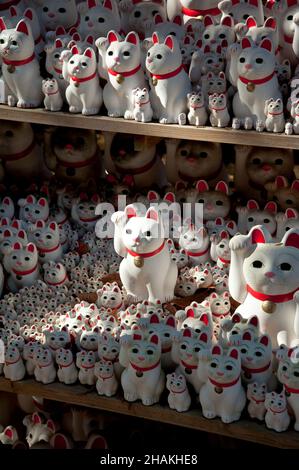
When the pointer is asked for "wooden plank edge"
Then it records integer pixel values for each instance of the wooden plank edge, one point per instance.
(103, 123)
(78, 395)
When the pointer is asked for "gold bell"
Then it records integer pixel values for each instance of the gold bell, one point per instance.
(119, 78)
(250, 87)
(155, 81)
(76, 84)
(11, 69)
(138, 261)
(268, 306)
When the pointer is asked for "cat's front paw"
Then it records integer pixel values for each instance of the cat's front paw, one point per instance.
(260, 126)
(248, 123)
(90, 111)
(115, 114)
(74, 109)
(163, 120)
(236, 124)
(182, 119)
(209, 414)
(239, 242)
(128, 115)
(22, 104)
(148, 401)
(130, 396)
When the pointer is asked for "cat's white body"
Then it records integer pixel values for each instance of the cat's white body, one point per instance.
(256, 395)
(14, 368)
(147, 271)
(219, 116)
(46, 239)
(85, 361)
(107, 383)
(196, 243)
(277, 416)
(142, 107)
(20, 68)
(220, 251)
(170, 84)
(179, 398)
(295, 43)
(295, 116)
(53, 100)
(256, 360)
(67, 371)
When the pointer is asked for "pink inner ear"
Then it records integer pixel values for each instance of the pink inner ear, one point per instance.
(112, 37)
(155, 38)
(91, 4)
(254, 321)
(247, 336)
(216, 350)
(264, 340)
(266, 44)
(75, 50)
(137, 337)
(21, 234)
(22, 28)
(202, 186)
(152, 196)
(227, 21)
(178, 20)
(39, 224)
(8, 432)
(2, 24)
(58, 43)
(17, 246)
(169, 197)
(169, 42)
(152, 214)
(224, 234)
(60, 31)
(204, 318)
(130, 212)
(203, 337)
(90, 39)
(53, 225)
(107, 4)
(158, 19)
(271, 207)
(132, 38)
(295, 185)
(281, 182)
(293, 240)
(154, 339)
(187, 333)
(222, 187)
(29, 199)
(154, 319)
(28, 14)
(36, 418)
(42, 202)
(291, 214)
(190, 313)
(88, 53)
(250, 22)
(170, 321)
(270, 23)
(246, 43)
(76, 37)
(257, 236)
(208, 21)
(234, 353)
(236, 318)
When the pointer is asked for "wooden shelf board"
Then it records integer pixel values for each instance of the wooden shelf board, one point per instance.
(103, 123)
(78, 395)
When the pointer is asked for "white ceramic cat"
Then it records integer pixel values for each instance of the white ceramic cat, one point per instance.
(295, 116)
(179, 398)
(214, 83)
(9, 436)
(286, 221)
(220, 251)
(252, 71)
(216, 32)
(108, 350)
(296, 35)
(58, 13)
(277, 416)
(84, 94)
(98, 18)
(204, 61)
(287, 374)
(240, 10)
(107, 383)
(263, 278)
(14, 368)
(54, 63)
(196, 244)
(197, 115)
(67, 371)
(122, 62)
(219, 116)
(256, 394)
(286, 194)
(142, 107)
(32, 209)
(22, 265)
(55, 338)
(20, 68)
(139, 16)
(191, 10)
(166, 330)
(38, 429)
(46, 238)
(28, 356)
(252, 215)
(44, 371)
(215, 202)
(223, 395)
(275, 121)
(147, 271)
(85, 361)
(220, 306)
(83, 211)
(174, 27)
(53, 100)
(55, 274)
(164, 64)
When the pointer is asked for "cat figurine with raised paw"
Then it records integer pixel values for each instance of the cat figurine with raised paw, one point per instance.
(179, 398)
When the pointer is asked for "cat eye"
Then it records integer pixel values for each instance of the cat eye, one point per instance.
(167, 335)
(56, 56)
(149, 352)
(183, 51)
(2, 41)
(135, 351)
(296, 373)
(257, 264)
(259, 60)
(203, 154)
(72, 62)
(183, 346)
(61, 10)
(49, 237)
(221, 246)
(101, 20)
(86, 18)
(228, 367)
(285, 267)
(27, 258)
(209, 61)
(287, 229)
(81, 207)
(243, 351)
(242, 60)
(148, 233)
(184, 153)
(206, 36)
(222, 36)
(266, 221)
(159, 56)
(278, 161)
(289, 202)
(84, 64)
(137, 14)
(214, 365)
(256, 161)
(110, 53)
(245, 17)
(45, 9)
(258, 354)
(128, 231)
(219, 203)
(290, 18)
(284, 368)
(14, 257)
(126, 54)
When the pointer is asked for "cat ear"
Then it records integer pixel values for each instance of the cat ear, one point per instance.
(217, 351)
(254, 321)
(224, 235)
(58, 43)
(154, 339)
(75, 50)
(247, 336)
(12, 11)
(130, 212)
(208, 21)
(291, 238)
(89, 53)
(91, 4)
(89, 40)
(250, 22)
(170, 321)
(227, 20)
(2, 25)
(151, 213)
(178, 20)
(42, 202)
(170, 197)
(281, 182)
(270, 23)
(205, 318)
(36, 419)
(31, 248)
(254, 3)
(169, 42)
(113, 37)
(291, 214)
(22, 27)
(8, 432)
(17, 246)
(60, 31)
(153, 196)
(190, 313)
(236, 318)
(107, 4)
(28, 14)
(266, 44)
(30, 199)
(39, 224)
(234, 353)
(271, 206)
(21, 234)
(187, 333)
(187, 40)
(257, 235)
(245, 43)
(203, 337)
(53, 226)
(154, 319)
(264, 340)
(222, 187)
(202, 186)
(295, 185)
(137, 337)
(132, 38)
(155, 38)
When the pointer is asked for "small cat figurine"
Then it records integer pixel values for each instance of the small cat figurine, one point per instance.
(215, 202)
(275, 121)
(67, 372)
(166, 331)
(295, 116)
(46, 238)
(20, 68)
(85, 361)
(252, 215)
(55, 274)
(257, 33)
(84, 94)
(32, 209)
(287, 374)
(9, 436)
(140, 241)
(165, 28)
(169, 101)
(220, 251)
(196, 244)
(108, 350)
(7, 208)
(14, 368)
(197, 115)
(223, 395)
(277, 416)
(98, 18)
(215, 33)
(219, 116)
(54, 63)
(214, 83)
(28, 356)
(219, 305)
(110, 296)
(256, 360)
(240, 10)
(204, 61)
(139, 16)
(143, 377)
(38, 429)
(179, 398)
(83, 211)
(55, 338)
(22, 265)
(142, 107)
(107, 383)
(44, 371)
(256, 394)
(53, 100)
(286, 221)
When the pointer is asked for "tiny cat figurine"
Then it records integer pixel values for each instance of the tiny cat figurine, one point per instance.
(123, 64)
(275, 121)
(147, 271)
(220, 251)
(256, 394)
(22, 265)
(54, 63)
(53, 100)
(85, 361)
(108, 350)
(219, 116)
(7, 208)
(28, 356)
(67, 371)
(165, 28)
(84, 94)
(219, 305)
(98, 18)
(44, 371)
(252, 215)
(142, 107)
(197, 115)
(14, 368)
(56, 338)
(287, 374)
(47, 241)
(240, 10)
(252, 71)
(107, 383)
(55, 274)
(214, 83)
(58, 13)
(20, 68)
(215, 33)
(196, 244)
(286, 221)
(179, 398)
(215, 202)
(286, 194)
(237, 326)
(32, 209)
(277, 416)
(169, 101)
(83, 211)
(110, 296)
(223, 395)
(263, 278)
(204, 61)
(203, 276)
(143, 377)
(185, 286)
(295, 116)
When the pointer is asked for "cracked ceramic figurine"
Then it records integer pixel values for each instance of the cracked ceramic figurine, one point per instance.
(179, 398)
(53, 100)
(67, 371)
(147, 271)
(256, 394)
(287, 374)
(164, 65)
(143, 377)
(20, 68)
(107, 383)
(277, 416)
(263, 278)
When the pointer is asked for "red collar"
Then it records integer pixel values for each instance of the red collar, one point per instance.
(181, 391)
(194, 13)
(136, 171)
(226, 385)
(288, 39)
(166, 350)
(257, 401)
(146, 255)
(17, 63)
(188, 366)
(46, 365)
(218, 109)
(17, 156)
(197, 107)
(49, 250)
(58, 283)
(276, 114)
(280, 298)
(111, 360)
(142, 104)
(87, 162)
(38, 40)
(145, 369)
(24, 273)
(87, 367)
(291, 390)
(218, 315)
(59, 71)
(168, 75)
(106, 378)
(91, 219)
(259, 81)
(277, 412)
(129, 73)
(256, 371)
(81, 80)
(196, 254)
(224, 261)
(50, 94)
(14, 362)
(6, 5)
(62, 366)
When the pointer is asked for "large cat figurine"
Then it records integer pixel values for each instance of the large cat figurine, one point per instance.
(286, 194)
(192, 10)
(20, 68)
(169, 82)
(57, 13)
(240, 10)
(98, 18)
(147, 271)
(263, 278)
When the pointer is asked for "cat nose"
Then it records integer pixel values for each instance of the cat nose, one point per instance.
(248, 66)
(149, 61)
(69, 147)
(136, 239)
(269, 274)
(266, 167)
(213, 41)
(90, 24)
(51, 15)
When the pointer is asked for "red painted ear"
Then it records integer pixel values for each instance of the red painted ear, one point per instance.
(291, 214)
(152, 214)
(189, 28)
(178, 20)
(30, 199)
(264, 340)
(154, 339)
(99, 442)
(236, 318)
(58, 43)
(152, 196)
(75, 50)
(76, 37)
(245, 43)
(53, 226)
(254, 321)
(295, 185)
(170, 321)
(208, 21)
(254, 3)
(190, 313)
(13, 11)
(60, 441)
(270, 23)
(281, 182)
(28, 14)
(234, 354)
(247, 336)
(89, 53)
(266, 44)
(187, 40)
(42, 202)
(154, 318)
(203, 337)
(7, 233)
(90, 40)
(31, 248)
(158, 19)
(21, 234)
(169, 42)
(257, 236)
(205, 318)
(292, 239)
(8, 432)
(2, 25)
(170, 197)
(91, 3)
(107, 4)
(22, 27)
(36, 419)
(60, 31)
(137, 337)
(227, 21)
(199, 44)
(130, 212)
(219, 221)
(17, 246)
(39, 224)
(250, 22)
(132, 38)
(224, 43)
(216, 350)
(155, 38)
(222, 187)
(202, 186)
(112, 37)
(187, 333)
(224, 234)
(271, 206)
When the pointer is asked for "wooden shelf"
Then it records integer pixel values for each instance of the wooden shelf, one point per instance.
(78, 395)
(102, 123)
